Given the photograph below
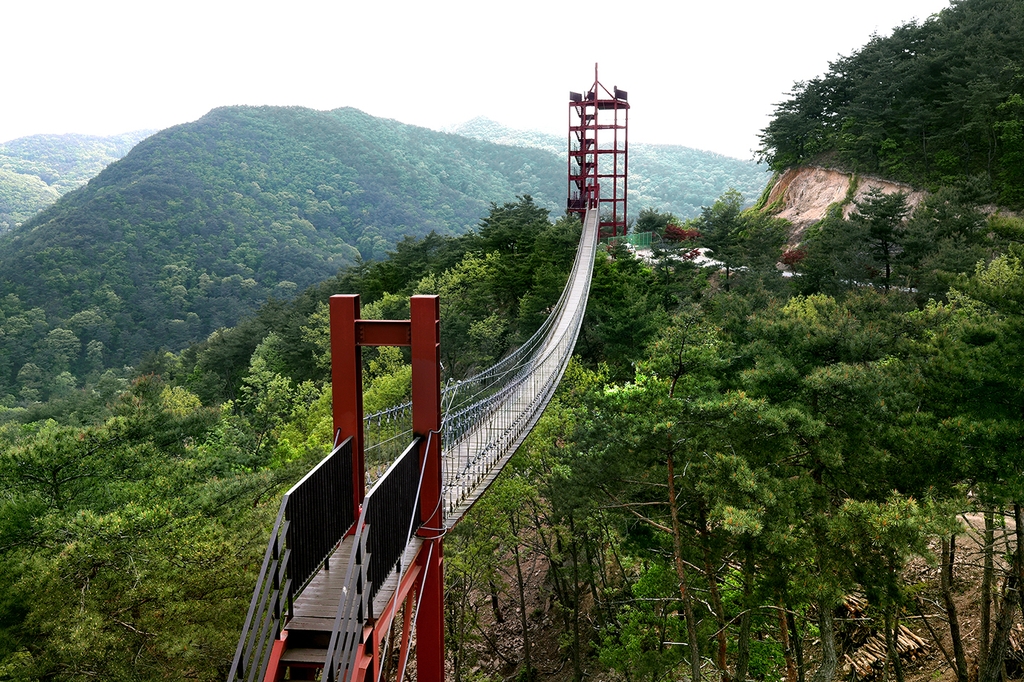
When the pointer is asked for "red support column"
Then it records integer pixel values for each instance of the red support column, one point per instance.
(423, 333)
(347, 385)
(426, 422)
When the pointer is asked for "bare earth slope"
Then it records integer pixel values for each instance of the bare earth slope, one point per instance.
(803, 194)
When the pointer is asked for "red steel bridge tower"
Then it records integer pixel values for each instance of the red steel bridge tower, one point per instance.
(599, 155)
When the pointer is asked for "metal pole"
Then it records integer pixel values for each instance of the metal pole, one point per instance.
(347, 386)
(425, 314)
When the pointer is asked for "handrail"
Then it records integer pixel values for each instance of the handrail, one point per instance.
(264, 616)
(393, 503)
(320, 512)
(313, 517)
(459, 393)
(479, 436)
(388, 514)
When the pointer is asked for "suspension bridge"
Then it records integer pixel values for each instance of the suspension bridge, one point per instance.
(354, 566)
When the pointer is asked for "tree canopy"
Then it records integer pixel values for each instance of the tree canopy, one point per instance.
(932, 103)
(37, 170)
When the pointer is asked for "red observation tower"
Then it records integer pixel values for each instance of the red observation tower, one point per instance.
(599, 155)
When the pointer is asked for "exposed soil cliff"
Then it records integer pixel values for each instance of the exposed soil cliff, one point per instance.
(802, 195)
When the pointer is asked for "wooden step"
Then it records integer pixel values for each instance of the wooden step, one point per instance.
(304, 655)
(310, 624)
(309, 632)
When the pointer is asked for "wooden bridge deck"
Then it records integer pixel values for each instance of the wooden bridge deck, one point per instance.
(316, 607)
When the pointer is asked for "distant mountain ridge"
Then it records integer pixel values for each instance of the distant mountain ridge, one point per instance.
(202, 222)
(37, 170)
(483, 128)
(665, 177)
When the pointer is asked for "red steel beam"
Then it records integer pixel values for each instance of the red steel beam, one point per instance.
(426, 423)
(374, 634)
(347, 385)
(383, 333)
(421, 332)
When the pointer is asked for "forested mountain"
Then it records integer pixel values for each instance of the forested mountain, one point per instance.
(202, 222)
(663, 177)
(743, 476)
(37, 170)
(730, 453)
(928, 104)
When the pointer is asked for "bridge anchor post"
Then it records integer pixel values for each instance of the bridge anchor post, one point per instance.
(425, 313)
(422, 333)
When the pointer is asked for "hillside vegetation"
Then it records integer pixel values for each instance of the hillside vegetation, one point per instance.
(729, 454)
(202, 222)
(663, 177)
(743, 476)
(929, 104)
(37, 170)
(134, 512)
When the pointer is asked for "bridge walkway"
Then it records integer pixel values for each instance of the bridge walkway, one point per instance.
(468, 469)
(323, 621)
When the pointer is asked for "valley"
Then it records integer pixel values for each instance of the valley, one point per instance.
(770, 464)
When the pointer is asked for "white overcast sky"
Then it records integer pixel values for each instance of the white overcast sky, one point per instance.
(701, 73)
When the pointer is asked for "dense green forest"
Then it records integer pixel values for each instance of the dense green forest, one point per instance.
(37, 170)
(663, 177)
(138, 507)
(202, 222)
(731, 452)
(928, 104)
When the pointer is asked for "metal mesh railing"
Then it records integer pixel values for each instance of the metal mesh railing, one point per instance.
(387, 431)
(485, 418)
(640, 240)
(385, 435)
(479, 435)
(314, 515)
(487, 413)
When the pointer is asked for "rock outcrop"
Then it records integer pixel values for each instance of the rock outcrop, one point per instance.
(802, 195)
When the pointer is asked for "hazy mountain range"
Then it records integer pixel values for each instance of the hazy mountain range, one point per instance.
(665, 177)
(202, 222)
(37, 170)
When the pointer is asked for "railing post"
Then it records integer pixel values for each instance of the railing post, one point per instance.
(425, 314)
(347, 385)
